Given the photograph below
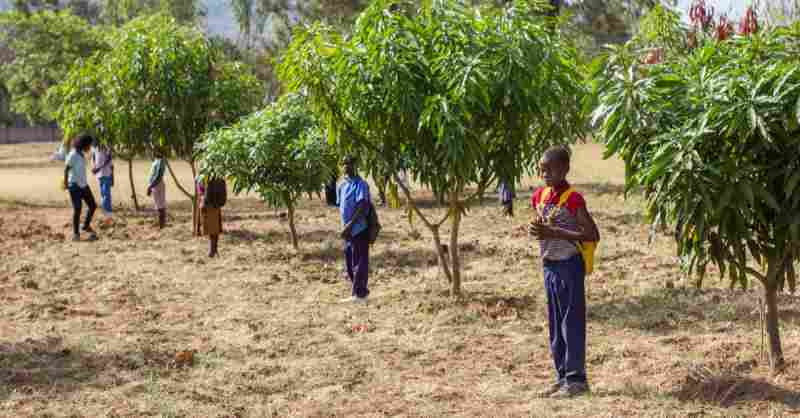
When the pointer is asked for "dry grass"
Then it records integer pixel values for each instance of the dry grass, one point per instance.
(140, 323)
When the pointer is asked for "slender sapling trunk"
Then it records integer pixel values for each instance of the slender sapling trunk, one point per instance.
(133, 186)
(444, 263)
(292, 230)
(774, 271)
(455, 262)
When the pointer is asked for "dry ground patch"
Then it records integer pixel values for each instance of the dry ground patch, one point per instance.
(140, 323)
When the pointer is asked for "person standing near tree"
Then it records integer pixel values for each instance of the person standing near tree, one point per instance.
(562, 223)
(354, 203)
(507, 195)
(103, 169)
(75, 182)
(157, 188)
(212, 194)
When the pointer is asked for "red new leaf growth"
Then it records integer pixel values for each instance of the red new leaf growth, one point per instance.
(655, 56)
(701, 15)
(749, 23)
(691, 39)
(724, 28)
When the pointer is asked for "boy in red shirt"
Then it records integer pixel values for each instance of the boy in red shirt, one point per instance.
(561, 225)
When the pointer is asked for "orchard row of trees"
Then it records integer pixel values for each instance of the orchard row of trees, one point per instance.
(40, 39)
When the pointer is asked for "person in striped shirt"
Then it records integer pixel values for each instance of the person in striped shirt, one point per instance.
(563, 221)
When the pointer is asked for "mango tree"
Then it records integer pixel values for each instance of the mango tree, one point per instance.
(43, 46)
(279, 153)
(87, 103)
(166, 86)
(469, 94)
(709, 133)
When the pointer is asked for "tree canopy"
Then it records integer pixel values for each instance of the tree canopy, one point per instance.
(709, 131)
(43, 47)
(278, 153)
(468, 93)
(160, 86)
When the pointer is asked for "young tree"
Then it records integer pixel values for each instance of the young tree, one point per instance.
(278, 152)
(170, 79)
(160, 86)
(709, 131)
(468, 94)
(90, 102)
(44, 45)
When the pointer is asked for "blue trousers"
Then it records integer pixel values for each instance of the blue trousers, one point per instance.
(356, 254)
(105, 194)
(566, 314)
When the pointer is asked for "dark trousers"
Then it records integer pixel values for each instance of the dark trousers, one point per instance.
(330, 192)
(566, 313)
(78, 195)
(356, 254)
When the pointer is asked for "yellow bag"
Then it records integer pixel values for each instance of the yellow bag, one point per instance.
(586, 248)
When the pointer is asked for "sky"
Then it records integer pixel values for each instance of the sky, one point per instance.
(734, 8)
(221, 18)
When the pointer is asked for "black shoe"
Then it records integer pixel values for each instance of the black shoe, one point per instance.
(550, 390)
(571, 390)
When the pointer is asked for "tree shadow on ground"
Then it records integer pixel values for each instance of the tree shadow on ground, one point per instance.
(47, 365)
(726, 389)
(242, 236)
(622, 255)
(405, 257)
(477, 304)
(497, 306)
(238, 216)
(663, 310)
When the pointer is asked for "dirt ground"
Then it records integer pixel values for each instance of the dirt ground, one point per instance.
(141, 323)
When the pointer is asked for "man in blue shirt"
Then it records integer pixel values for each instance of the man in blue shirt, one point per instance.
(354, 204)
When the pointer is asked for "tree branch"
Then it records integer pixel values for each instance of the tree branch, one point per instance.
(749, 270)
(177, 183)
(412, 203)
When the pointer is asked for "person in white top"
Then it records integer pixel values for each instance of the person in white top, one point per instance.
(104, 171)
(79, 191)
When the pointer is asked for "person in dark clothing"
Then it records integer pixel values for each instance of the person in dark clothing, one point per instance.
(212, 194)
(330, 191)
(354, 204)
(75, 182)
(562, 222)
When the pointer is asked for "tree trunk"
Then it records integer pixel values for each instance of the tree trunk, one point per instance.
(192, 196)
(178, 183)
(195, 205)
(133, 186)
(292, 230)
(444, 264)
(455, 262)
(776, 361)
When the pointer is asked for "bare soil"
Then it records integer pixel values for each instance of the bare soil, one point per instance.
(141, 323)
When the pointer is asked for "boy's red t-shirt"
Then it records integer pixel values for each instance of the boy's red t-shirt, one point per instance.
(574, 202)
(565, 217)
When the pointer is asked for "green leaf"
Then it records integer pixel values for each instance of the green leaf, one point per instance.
(767, 197)
(792, 183)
